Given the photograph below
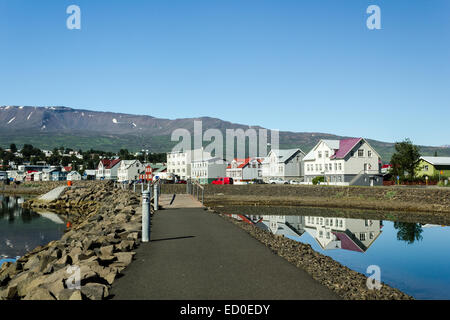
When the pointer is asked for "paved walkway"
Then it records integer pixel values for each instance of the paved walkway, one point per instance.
(53, 194)
(194, 254)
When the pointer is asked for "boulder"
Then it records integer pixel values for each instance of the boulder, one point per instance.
(39, 294)
(70, 294)
(125, 245)
(124, 257)
(95, 291)
(9, 293)
(29, 284)
(107, 250)
(32, 263)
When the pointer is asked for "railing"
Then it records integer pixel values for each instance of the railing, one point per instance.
(195, 189)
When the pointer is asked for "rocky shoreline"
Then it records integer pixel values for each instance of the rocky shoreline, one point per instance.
(348, 284)
(105, 229)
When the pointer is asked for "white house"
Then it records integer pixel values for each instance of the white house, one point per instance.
(343, 233)
(107, 169)
(285, 164)
(208, 169)
(344, 162)
(179, 163)
(245, 169)
(129, 170)
(73, 176)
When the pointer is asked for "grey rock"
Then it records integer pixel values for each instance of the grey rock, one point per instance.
(95, 291)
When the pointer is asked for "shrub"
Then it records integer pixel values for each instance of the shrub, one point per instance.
(316, 180)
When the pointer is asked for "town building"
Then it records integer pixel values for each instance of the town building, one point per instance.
(284, 164)
(344, 162)
(179, 163)
(434, 166)
(245, 170)
(107, 169)
(73, 176)
(129, 170)
(206, 170)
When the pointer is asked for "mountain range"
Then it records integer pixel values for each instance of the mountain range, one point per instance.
(50, 127)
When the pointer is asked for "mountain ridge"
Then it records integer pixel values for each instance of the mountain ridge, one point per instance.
(55, 126)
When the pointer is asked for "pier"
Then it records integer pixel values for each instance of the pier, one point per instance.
(195, 254)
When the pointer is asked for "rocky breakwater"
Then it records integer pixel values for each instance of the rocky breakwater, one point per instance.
(90, 255)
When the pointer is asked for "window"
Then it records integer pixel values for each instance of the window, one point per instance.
(425, 168)
(328, 235)
(319, 154)
(362, 236)
(360, 153)
(320, 234)
(340, 166)
(335, 166)
(327, 154)
(369, 153)
(371, 235)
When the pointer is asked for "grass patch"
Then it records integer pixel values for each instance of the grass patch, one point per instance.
(390, 194)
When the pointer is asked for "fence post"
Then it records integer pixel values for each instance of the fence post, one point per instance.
(145, 216)
(155, 196)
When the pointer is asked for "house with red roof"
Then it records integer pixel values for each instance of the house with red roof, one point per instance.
(245, 170)
(107, 169)
(345, 162)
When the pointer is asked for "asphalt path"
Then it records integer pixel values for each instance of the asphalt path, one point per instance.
(194, 254)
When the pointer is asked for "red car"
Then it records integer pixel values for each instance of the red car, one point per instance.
(223, 180)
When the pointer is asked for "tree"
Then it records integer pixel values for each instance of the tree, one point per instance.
(405, 159)
(13, 148)
(408, 232)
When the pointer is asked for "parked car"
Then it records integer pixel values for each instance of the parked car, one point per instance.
(278, 181)
(181, 182)
(294, 182)
(257, 181)
(223, 180)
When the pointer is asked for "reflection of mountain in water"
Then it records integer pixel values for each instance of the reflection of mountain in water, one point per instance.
(21, 230)
(329, 232)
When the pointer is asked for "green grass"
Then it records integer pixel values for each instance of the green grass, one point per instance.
(390, 194)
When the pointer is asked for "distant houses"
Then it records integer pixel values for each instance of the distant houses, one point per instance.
(245, 170)
(283, 164)
(129, 170)
(208, 169)
(107, 169)
(344, 162)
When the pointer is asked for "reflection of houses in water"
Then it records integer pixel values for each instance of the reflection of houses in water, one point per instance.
(343, 233)
(289, 226)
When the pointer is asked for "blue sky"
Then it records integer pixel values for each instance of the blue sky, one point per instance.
(291, 65)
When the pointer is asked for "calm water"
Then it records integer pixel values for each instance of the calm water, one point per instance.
(22, 230)
(413, 257)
